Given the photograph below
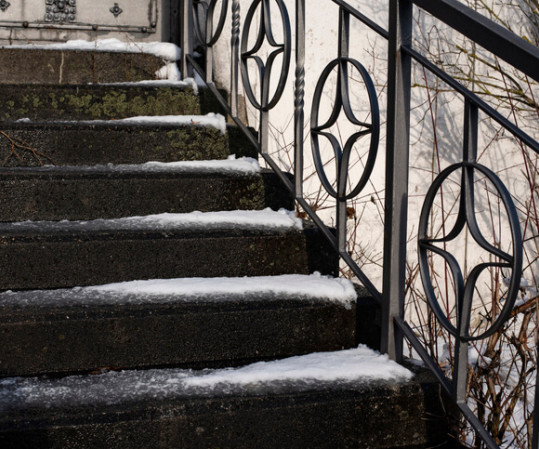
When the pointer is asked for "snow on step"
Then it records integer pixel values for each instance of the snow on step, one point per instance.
(340, 368)
(210, 120)
(242, 165)
(165, 50)
(230, 165)
(237, 219)
(161, 291)
(166, 80)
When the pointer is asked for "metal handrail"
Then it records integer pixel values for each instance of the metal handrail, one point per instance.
(502, 43)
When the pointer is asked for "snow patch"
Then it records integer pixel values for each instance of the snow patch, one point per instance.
(238, 219)
(346, 366)
(164, 50)
(242, 165)
(231, 164)
(314, 287)
(170, 72)
(210, 120)
(351, 367)
(186, 83)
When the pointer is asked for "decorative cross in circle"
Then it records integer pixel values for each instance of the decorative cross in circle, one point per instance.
(4, 5)
(116, 10)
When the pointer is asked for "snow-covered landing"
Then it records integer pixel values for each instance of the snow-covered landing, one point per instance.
(336, 369)
(238, 219)
(165, 291)
(165, 50)
(242, 165)
(210, 120)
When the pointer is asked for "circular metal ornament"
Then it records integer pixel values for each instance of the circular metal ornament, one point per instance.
(203, 13)
(464, 289)
(265, 30)
(342, 102)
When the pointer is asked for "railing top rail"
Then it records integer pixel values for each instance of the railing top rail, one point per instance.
(355, 13)
(490, 35)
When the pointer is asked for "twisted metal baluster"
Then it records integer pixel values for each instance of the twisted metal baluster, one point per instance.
(299, 99)
(235, 55)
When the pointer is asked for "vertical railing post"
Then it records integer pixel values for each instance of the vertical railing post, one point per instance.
(469, 154)
(186, 9)
(235, 58)
(209, 51)
(535, 431)
(396, 198)
(299, 99)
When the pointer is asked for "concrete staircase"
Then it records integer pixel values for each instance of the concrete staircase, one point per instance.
(121, 366)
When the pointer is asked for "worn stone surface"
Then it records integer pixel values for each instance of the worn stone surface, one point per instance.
(90, 144)
(370, 416)
(31, 261)
(198, 334)
(94, 102)
(27, 66)
(77, 195)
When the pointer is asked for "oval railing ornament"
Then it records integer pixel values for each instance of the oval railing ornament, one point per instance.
(264, 68)
(342, 103)
(204, 13)
(464, 288)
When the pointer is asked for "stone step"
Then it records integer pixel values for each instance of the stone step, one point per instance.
(345, 399)
(85, 193)
(98, 101)
(44, 254)
(40, 66)
(117, 142)
(189, 322)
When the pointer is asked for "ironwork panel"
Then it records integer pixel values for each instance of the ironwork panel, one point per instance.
(92, 15)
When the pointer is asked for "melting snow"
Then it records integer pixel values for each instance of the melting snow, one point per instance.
(164, 50)
(243, 165)
(162, 291)
(162, 82)
(210, 120)
(171, 72)
(241, 219)
(240, 165)
(336, 369)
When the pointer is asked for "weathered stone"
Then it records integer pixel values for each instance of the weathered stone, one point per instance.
(94, 102)
(71, 194)
(28, 66)
(32, 260)
(379, 415)
(89, 144)
(208, 333)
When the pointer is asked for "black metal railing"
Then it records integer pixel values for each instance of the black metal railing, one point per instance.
(205, 19)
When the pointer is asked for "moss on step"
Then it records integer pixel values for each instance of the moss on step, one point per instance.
(94, 102)
(93, 144)
(57, 67)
